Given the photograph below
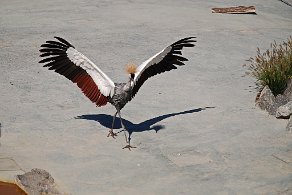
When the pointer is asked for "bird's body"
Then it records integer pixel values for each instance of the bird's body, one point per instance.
(122, 95)
(63, 58)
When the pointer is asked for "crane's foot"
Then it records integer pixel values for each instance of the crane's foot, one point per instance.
(112, 134)
(129, 147)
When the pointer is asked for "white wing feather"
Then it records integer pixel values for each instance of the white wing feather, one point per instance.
(104, 83)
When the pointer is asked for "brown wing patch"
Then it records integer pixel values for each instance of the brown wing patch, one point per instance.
(90, 89)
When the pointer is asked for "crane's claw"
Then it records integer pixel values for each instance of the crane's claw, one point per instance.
(112, 134)
(129, 147)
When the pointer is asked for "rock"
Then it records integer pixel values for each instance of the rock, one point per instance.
(288, 90)
(266, 101)
(289, 125)
(281, 100)
(37, 182)
(284, 111)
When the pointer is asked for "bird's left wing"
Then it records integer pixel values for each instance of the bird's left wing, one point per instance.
(62, 57)
(165, 60)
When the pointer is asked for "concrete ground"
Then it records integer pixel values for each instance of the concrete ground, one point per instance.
(231, 147)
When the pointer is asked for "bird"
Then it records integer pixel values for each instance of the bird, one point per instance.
(62, 57)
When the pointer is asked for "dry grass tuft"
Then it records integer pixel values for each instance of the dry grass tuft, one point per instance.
(273, 67)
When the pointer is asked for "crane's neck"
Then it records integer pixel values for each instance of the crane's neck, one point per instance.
(129, 85)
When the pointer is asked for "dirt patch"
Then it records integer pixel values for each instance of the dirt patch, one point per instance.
(11, 189)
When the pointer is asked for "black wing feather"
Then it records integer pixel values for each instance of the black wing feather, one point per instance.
(52, 46)
(64, 41)
(58, 44)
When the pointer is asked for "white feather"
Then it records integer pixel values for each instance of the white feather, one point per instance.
(104, 83)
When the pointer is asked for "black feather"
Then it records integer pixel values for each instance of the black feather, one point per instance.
(47, 54)
(57, 43)
(55, 58)
(64, 41)
(184, 40)
(180, 58)
(176, 52)
(51, 50)
(53, 46)
(186, 45)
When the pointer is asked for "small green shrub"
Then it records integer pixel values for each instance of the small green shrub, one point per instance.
(273, 67)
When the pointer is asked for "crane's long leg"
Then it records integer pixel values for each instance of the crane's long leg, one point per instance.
(111, 132)
(123, 126)
(127, 138)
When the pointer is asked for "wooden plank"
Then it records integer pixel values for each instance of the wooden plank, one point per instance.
(235, 10)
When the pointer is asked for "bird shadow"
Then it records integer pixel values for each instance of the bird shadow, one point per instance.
(150, 124)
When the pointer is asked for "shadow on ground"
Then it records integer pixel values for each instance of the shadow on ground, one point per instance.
(106, 121)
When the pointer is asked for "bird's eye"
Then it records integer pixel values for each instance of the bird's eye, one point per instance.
(132, 76)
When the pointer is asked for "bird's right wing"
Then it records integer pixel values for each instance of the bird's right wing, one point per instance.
(62, 57)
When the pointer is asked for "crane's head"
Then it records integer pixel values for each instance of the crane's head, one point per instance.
(131, 69)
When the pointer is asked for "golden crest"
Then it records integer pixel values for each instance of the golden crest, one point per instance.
(131, 68)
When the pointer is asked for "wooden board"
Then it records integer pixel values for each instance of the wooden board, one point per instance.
(235, 10)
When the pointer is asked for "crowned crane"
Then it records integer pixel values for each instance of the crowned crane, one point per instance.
(62, 57)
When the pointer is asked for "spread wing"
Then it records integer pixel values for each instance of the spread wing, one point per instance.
(64, 59)
(167, 59)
